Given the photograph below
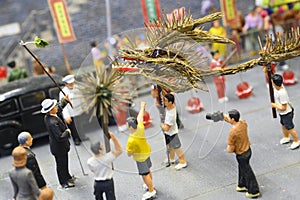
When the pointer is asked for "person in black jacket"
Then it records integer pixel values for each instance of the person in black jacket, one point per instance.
(25, 140)
(58, 138)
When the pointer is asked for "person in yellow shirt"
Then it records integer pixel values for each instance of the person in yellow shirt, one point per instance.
(140, 150)
(218, 30)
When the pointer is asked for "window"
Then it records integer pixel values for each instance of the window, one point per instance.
(54, 93)
(32, 100)
(8, 107)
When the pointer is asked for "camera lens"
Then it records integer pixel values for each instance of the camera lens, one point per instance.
(208, 116)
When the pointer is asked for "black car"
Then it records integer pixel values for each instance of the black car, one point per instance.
(20, 105)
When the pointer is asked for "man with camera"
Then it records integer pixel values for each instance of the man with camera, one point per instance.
(239, 143)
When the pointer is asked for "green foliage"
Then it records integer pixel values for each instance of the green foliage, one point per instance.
(40, 43)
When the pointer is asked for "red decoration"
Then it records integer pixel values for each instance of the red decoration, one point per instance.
(3, 72)
(147, 120)
(264, 13)
(289, 78)
(194, 105)
(121, 117)
(243, 90)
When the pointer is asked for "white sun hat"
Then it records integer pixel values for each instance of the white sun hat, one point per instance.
(68, 79)
(48, 104)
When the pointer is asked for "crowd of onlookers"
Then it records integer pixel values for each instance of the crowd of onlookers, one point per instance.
(248, 27)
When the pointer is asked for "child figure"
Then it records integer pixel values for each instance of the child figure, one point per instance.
(216, 64)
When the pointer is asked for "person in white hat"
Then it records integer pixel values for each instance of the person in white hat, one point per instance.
(70, 113)
(58, 138)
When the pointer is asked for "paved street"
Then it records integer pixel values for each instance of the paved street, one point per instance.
(211, 172)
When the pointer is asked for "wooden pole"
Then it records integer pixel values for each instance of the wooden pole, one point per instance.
(66, 59)
(271, 91)
(104, 126)
(42, 66)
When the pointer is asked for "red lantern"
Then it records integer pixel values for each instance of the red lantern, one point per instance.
(289, 78)
(243, 90)
(194, 105)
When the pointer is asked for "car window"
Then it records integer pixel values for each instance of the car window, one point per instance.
(32, 100)
(54, 93)
(8, 107)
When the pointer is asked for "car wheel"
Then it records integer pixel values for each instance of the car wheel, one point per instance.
(8, 140)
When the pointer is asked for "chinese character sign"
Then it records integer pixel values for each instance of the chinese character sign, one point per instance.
(230, 13)
(61, 20)
(151, 10)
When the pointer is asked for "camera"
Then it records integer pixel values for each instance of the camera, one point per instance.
(215, 116)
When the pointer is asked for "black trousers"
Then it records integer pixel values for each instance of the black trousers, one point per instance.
(106, 187)
(74, 132)
(62, 168)
(246, 175)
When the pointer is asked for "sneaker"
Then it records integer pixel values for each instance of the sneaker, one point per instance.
(77, 142)
(171, 161)
(240, 189)
(249, 195)
(223, 100)
(145, 187)
(149, 195)
(72, 179)
(67, 185)
(295, 145)
(285, 140)
(180, 166)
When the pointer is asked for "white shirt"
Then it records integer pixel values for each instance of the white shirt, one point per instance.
(102, 166)
(68, 111)
(282, 97)
(170, 119)
(96, 53)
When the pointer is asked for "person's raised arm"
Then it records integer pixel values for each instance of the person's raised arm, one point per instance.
(140, 117)
(118, 149)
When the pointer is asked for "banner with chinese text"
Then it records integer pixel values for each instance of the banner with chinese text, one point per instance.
(230, 13)
(61, 20)
(151, 10)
